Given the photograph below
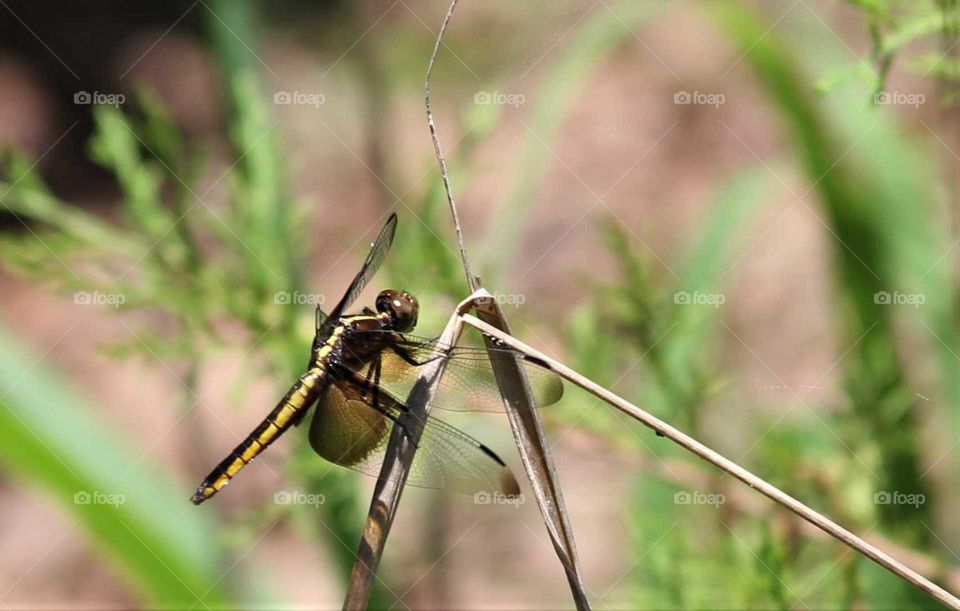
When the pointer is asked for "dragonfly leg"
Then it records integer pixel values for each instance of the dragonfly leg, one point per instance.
(406, 356)
(369, 382)
(376, 370)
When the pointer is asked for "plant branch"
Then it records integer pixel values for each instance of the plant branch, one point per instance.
(725, 464)
(472, 281)
(396, 467)
(525, 422)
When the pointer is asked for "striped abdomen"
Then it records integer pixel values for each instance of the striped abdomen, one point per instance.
(300, 396)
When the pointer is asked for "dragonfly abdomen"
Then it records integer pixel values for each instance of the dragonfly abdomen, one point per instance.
(300, 396)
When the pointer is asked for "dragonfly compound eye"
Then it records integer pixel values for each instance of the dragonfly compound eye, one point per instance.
(402, 308)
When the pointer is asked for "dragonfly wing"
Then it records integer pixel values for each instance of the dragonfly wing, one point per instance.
(378, 252)
(352, 428)
(320, 318)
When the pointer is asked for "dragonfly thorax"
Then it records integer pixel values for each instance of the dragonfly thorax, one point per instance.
(355, 340)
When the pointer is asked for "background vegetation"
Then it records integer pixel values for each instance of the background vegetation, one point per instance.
(200, 232)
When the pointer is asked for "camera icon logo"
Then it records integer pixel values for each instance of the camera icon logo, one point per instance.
(881, 97)
(482, 97)
(881, 298)
(882, 498)
(281, 298)
(682, 498)
(81, 498)
(681, 298)
(282, 97)
(82, 97)
(682, 97)
(282, 498)
(482, 498)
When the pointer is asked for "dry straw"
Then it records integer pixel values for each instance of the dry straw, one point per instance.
(531, 439)
(689, 443)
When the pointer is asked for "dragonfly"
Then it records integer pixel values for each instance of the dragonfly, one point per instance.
(361, 369)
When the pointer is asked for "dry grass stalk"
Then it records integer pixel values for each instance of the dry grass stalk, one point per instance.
(662, 428)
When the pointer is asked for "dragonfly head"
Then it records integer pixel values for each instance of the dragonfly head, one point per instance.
(401, 306)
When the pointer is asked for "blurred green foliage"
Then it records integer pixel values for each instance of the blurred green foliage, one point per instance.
(50, 439)
(876, 187)
(897, 25)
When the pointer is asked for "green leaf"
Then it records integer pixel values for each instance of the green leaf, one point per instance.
(878, 202)
(140, 521)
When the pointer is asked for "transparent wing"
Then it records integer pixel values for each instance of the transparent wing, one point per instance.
(378, 252)
(320, 318)
(352, 425)
(468, 383)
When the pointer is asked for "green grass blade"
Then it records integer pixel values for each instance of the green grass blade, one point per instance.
(878, 201)
(142, 524)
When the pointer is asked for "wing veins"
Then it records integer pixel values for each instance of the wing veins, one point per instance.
(375, 258)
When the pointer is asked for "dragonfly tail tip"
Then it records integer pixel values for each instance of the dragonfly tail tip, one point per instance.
(198, 496)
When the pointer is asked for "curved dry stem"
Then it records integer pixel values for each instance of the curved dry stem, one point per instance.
(762, 486)
(472, 281)
(524, 420)
(396, 467)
